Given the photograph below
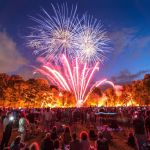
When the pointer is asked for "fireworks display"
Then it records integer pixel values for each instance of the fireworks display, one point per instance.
(65, 33)
(78, 44)
(74, 77)
(92, 41)
(55, 35)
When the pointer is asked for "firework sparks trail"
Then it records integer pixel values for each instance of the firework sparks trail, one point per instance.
(74, 79)
(99, 83)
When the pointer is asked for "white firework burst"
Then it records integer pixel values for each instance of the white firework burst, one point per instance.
(92, 40)
(55, 35)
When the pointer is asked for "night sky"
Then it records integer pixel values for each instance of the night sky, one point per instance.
(127, 23)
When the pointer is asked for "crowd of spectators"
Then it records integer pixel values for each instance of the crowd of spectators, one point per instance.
(57, 127)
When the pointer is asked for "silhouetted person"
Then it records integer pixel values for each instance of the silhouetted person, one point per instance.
(139, 130)
(54, 135)
(7, 130)
(147, 123)
(85, 145)
(75, 144)
(57, 145)
(47, 143)
(131, 140)
(17, 144)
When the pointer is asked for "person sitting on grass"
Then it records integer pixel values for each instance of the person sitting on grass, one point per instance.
(102, 143)
(17, 144)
